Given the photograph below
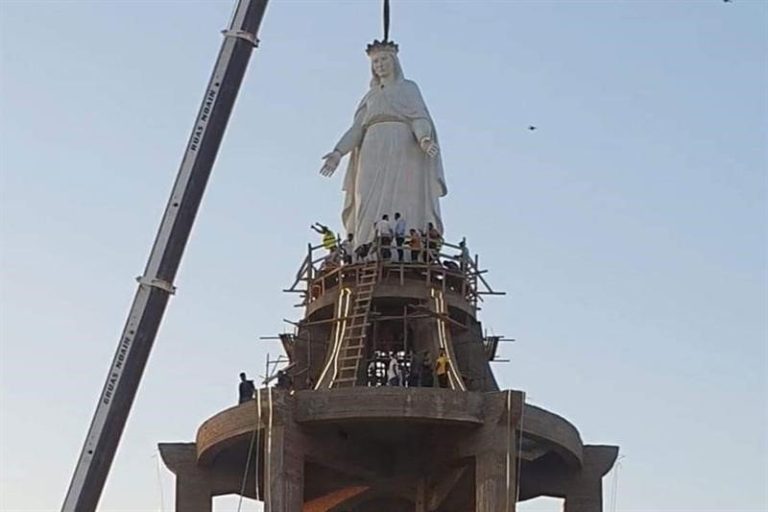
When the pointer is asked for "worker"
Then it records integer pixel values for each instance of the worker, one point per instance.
(399, 235)
(331, 260)
(393, 372)
(372, 374)
(427, 378)
(463, 256)
(246, 389)
(347, 249)
(284, 381)
(384, 233)
(414, 242)
(441, 369)
(329, 238)
(415, 367)
(434, 243)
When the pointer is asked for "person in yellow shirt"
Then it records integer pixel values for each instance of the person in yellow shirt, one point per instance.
(329, 237)
(441, 369)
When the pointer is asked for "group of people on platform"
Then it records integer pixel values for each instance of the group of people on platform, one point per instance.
(393, 241)
(411, 370)
(385, 369)
(246, 389)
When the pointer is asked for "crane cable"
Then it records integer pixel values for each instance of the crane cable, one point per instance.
(386, 21)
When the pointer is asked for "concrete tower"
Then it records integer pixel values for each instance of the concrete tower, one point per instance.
(338, 439)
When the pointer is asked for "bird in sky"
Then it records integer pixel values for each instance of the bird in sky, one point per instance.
(531, 127)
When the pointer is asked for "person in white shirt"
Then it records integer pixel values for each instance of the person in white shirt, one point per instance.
(384, 232)
(393, 372)
(347, 249)
(399, 235)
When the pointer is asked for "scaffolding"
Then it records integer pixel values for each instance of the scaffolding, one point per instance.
(439, 264)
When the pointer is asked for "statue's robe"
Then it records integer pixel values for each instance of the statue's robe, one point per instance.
(388, 172)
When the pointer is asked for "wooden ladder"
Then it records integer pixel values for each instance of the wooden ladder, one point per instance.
(353, 344)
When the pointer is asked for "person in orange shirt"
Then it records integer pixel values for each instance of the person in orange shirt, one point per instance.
(414, 242)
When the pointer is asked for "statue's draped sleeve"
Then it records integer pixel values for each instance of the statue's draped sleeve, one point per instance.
(350, 143)
(354, 136)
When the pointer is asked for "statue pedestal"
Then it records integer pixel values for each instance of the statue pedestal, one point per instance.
(342, 441)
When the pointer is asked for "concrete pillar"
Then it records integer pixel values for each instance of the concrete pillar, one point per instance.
(584, 493)
(192, 495)
(286, 471)
(585, 496)
(421, 496)
(492, 491)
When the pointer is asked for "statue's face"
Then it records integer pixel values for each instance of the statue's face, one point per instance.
(383, 65)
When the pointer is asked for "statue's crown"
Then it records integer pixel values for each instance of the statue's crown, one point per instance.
(381, 46)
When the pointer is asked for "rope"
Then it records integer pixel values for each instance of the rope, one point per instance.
(386, 21)
(268, 456)
(247, 467)
(258, 443)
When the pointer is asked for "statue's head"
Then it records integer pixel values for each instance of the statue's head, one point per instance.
(384, 62)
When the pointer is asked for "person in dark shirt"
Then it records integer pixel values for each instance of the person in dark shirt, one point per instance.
(284, 381)
(247, 389)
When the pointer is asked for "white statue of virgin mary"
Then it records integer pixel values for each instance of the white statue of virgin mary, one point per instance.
(394, 164)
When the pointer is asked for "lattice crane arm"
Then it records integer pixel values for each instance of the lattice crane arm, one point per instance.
(156, 284)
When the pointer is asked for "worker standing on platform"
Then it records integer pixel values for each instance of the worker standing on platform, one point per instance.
(246, 389)
(399, 235)
(416, 361)
(441, 369)
(463, 256)
(347, 249)
(329, 238)
(414, 242)
(284, 381)
(384, 232)
(393, 372)
(427, 378)
(434, 243)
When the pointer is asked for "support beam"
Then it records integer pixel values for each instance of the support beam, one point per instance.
(193, 484)
(492, 493)
(285, 469)
(421, 496)
(585, 496)
(192, 495)
(444, 486)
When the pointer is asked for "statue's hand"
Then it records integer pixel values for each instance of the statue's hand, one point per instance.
(430, 147)
(332, 160)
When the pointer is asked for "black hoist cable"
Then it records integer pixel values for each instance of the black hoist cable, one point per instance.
(386, 21)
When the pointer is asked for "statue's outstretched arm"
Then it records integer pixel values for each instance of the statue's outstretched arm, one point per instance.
(349, 141)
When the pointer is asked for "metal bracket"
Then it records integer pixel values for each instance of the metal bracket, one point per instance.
(242, 34)
(157, 283)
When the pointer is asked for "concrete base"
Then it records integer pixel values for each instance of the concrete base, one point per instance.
(426, 450)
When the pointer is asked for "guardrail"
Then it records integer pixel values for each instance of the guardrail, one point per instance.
(323, 270)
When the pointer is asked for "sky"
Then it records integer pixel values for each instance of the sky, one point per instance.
(630, 230)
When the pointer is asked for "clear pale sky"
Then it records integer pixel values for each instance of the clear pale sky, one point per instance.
(629, 230)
